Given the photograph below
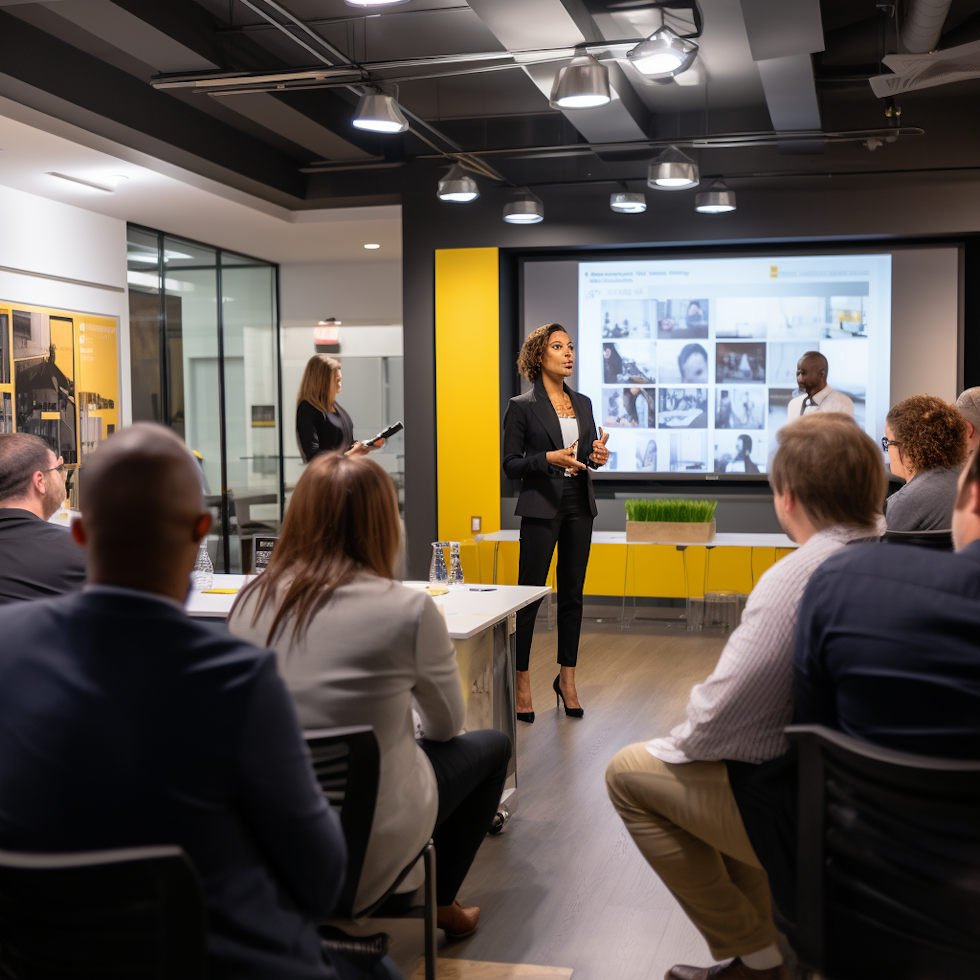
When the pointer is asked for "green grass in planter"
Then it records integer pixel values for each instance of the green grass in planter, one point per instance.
(672, 511)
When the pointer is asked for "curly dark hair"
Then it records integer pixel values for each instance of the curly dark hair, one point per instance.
(930, 433)
(529, 359)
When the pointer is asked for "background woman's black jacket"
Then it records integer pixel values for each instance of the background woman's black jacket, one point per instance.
(317, 434)
(531, 431)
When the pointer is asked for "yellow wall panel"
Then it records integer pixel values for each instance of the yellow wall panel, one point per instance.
(467, 307)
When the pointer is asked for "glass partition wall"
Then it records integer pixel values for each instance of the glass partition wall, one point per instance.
(204, 333)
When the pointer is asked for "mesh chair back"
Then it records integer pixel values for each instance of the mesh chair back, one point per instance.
(136, 914)
(347, 763)
(939, 540)
(888, 861)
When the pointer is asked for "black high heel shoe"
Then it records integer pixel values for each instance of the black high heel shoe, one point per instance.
(527, 716)
(570, 712)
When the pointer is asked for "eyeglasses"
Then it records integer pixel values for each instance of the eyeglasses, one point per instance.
(886, 442)
(62, 468)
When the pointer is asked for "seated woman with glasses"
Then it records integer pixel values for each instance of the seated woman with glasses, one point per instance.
(926, 444)
(356, 647)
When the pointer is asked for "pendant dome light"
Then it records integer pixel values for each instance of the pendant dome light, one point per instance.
(716, 200)
(582, 84)
(663, 54)
(673, 171)
(457, 187)
(627, 203)
(379, 113)
(525, 209)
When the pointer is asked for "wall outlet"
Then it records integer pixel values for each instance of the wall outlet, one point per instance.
(475, 524)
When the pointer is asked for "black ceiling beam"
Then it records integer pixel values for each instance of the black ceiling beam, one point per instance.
(332, 110)
(186, 22)
(53, 66)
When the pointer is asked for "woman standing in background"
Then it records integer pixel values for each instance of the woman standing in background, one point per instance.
(322, 426)
(549, 442)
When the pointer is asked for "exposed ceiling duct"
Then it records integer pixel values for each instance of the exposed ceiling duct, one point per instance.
(923, 24)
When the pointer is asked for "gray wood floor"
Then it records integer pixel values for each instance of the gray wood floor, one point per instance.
(564, 885)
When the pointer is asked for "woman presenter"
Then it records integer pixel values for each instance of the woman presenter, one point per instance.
(549, 443)
(322, 425)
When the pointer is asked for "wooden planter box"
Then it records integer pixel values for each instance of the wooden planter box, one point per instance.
(669, 532)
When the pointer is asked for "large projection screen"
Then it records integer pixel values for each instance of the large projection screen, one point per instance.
(690, 363)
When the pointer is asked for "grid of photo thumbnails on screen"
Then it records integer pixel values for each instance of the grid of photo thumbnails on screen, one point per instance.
(701, 385)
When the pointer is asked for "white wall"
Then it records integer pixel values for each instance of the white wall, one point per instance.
(365, 292)
(43, 238)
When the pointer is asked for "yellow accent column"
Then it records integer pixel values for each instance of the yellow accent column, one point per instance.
(467, 305)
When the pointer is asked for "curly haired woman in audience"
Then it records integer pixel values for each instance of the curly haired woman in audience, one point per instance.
(926, 444)
(356, 647)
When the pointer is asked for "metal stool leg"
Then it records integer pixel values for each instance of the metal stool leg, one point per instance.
(431, 939)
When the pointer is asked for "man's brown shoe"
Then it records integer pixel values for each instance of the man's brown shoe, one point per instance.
(736, 970)
(456, 920)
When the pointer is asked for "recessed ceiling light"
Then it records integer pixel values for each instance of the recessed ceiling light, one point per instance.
(107, 184)
(373, 3)
(372, 246)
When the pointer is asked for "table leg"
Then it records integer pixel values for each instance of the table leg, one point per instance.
(496, 548)
(624, 622)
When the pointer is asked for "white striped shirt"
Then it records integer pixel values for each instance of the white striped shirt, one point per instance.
(740, 711)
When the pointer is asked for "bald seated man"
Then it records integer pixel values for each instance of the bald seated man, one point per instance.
(818, 396)
(969, 407)
(37, 559)
(163, 730)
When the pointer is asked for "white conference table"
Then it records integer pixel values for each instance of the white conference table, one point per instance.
(733, 539)
(481, 620)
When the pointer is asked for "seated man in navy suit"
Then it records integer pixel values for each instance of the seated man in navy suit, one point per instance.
(887, 651)
(126, 724)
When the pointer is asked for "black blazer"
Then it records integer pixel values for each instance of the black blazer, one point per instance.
(316, 433)
(128, 724)
(531, 430)
(37, 559)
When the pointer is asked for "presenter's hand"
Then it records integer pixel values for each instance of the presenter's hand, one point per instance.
(600, 455)
(363, 448)
(565, 459)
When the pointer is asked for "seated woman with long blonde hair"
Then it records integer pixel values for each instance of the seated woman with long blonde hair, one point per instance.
(356, 647)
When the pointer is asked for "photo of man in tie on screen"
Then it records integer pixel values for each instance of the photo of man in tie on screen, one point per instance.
(818, 396)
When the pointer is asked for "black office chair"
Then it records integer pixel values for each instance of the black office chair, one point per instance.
(135, 913)
(347, 763)
(888, 865)
(939, 540)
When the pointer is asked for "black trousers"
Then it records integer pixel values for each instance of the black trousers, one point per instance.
(470, 772)
(571, 530)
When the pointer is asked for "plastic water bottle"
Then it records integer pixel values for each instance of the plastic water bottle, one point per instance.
(455, 566)
(203, 575)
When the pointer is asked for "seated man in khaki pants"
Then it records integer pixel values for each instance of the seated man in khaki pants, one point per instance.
(673, 793)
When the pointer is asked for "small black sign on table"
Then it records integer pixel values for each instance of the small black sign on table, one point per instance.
(263, 545)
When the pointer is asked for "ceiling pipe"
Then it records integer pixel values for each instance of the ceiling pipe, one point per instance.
(923, 25)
